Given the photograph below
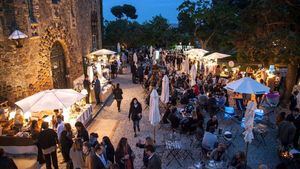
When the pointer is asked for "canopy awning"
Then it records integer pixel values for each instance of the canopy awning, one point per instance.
(216, 55)
(103, 52)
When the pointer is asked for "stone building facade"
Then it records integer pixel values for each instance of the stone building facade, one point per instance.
(60, 35)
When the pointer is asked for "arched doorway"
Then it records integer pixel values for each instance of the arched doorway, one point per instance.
(58, 66)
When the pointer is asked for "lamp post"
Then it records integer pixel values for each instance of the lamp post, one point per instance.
(18, 36)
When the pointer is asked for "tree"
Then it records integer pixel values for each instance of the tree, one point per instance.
(205, 20)
(117, 11)
(272, 38)
(129, 11)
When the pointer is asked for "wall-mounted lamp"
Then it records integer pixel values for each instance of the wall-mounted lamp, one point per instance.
(17, 36)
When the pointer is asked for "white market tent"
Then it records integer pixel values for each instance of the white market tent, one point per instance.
(248, 86)
(216, 55)
(103, 52)
(50, 100)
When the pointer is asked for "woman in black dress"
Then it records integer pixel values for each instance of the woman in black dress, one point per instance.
(66, 142)
(135, 114)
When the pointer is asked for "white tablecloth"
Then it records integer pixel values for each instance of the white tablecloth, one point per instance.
(86, 115)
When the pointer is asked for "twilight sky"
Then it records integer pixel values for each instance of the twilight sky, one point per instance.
(146, 9)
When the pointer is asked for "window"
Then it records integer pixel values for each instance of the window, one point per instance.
(55, 1)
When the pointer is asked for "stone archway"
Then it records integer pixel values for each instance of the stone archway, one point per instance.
(58, 66)
(53, 35)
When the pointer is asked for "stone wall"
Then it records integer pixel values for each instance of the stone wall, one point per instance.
(27, 70)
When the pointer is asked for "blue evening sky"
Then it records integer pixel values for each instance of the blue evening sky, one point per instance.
(146, 9)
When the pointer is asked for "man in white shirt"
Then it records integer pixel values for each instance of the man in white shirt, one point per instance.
(60, 126)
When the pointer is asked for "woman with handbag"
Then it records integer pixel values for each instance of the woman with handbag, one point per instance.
(124, 155)
(135, 113)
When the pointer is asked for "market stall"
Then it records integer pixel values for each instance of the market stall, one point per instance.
(16, 136)
(101, 63)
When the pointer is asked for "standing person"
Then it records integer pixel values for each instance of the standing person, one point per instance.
(6, 162)
(133, 71)
(60, 126)
(148, 141)
(76, 155)
(118, 92)
(154, 160)
(286, 131)
(97, 89)
(109, 149)
(124, 155)
(88, 154)
(99, 160)
(66, 142)
(48, 140)
(140, 73)
(293, 101)
(297, 125)
(86, 86)
(93, 140)
(35, 131)
(82, 133)
(135, 113)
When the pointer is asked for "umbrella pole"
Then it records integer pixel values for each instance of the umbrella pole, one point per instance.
(154, 133)
(246, 153)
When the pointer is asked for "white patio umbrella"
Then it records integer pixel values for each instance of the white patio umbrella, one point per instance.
(17, 35)
(193, 73)
(186, 66)
(248, 86)
(135, 59)
(249, 120)
(50, 100)
(165, 93)
(216, 55)
(118, 47)
(103, 52)
(151, 51)
(154, 115)
(90, 73)
(99, 69)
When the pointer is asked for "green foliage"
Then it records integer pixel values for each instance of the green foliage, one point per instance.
(207, 22)
(117, 11)
(126, 10)
(129, 11)
(157, 32)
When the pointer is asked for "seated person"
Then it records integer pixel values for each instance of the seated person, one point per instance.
(218, 154)
(167, 113)
(239, 160)
(174, 119)
(191, 124)
(212, 123)
(203, 99)
(209, 140)
(211, 104)
(222, 100)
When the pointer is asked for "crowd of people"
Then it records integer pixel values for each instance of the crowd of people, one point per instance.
(190, 105)
(187, 110)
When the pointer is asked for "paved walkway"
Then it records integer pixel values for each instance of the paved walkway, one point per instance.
(110, 122)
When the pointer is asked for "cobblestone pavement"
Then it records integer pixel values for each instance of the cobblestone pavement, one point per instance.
(258, 152)
(116, 125)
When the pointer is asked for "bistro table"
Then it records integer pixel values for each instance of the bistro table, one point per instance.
(176, 150)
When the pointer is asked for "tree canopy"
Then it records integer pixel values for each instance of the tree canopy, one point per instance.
(126, 10)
